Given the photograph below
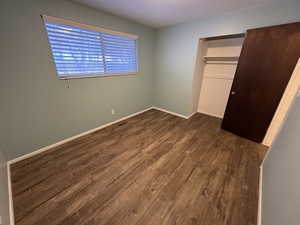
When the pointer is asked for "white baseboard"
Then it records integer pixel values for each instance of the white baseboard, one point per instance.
(10, 198)
(46, 148)
(191, 115)
(173, 113)
(260, 196)
(210, 114)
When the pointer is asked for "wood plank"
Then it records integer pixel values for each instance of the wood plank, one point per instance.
(154, 168)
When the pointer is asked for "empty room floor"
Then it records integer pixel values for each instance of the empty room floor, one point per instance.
(154, 168)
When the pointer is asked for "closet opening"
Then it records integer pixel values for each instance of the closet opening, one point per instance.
(218, 73)
(219, 62)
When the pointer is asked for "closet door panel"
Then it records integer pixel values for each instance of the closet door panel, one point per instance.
(267, 61)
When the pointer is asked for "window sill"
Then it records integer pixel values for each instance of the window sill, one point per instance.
(95, 76)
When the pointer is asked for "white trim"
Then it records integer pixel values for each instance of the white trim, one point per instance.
(287, 98)
(191, 115)
(73, 137)
(85, 26)
(46, 148)
(260, 196)
(11, 206)
(173, 113)
(82, 76)
(210, 114)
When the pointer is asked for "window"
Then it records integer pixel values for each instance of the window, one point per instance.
(85, 51)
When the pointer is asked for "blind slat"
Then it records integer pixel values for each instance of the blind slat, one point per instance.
(71, 32)
(66, 46)
(74, 42)
(81, 37)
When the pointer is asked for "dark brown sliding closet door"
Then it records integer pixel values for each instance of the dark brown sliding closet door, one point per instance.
(267, 60)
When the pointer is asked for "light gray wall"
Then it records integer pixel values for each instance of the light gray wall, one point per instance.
(4, 204)
(37, 109)
(281, 175)
(177, 48)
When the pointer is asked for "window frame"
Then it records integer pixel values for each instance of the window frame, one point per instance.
(97, 29)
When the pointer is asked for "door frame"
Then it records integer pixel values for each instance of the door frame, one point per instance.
(287, 98)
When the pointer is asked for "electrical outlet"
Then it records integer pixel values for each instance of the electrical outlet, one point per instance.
(112, 112)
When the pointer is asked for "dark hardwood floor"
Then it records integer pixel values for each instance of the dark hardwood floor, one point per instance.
(154, 168)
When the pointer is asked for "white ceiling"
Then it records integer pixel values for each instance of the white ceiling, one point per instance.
(160, 13)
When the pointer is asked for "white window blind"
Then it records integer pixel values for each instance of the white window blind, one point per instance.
(85, 51)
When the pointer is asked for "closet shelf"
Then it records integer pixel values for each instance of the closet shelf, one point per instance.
(221, 62)
(221, 59)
